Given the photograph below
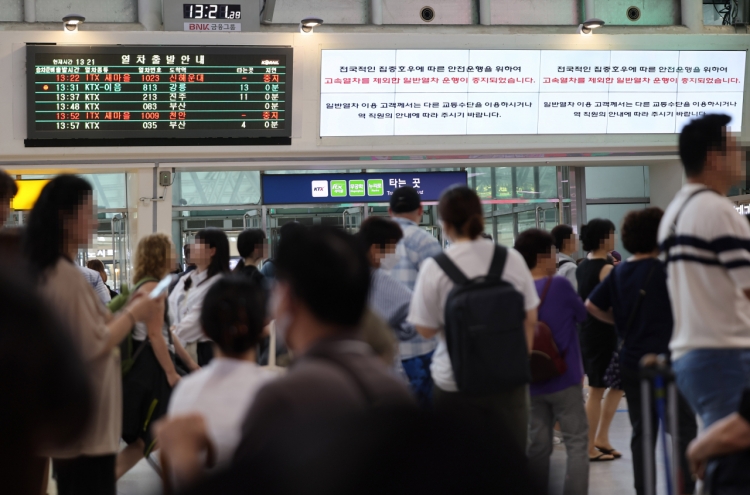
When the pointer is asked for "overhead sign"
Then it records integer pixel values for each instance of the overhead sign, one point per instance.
(287, 189)
(232, 17)
(28, 193)
(144, 92)
(462, 92)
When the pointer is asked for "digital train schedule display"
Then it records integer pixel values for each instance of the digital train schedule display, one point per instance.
(140, 93)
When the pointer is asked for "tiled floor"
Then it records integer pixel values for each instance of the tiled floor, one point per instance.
(606, 478)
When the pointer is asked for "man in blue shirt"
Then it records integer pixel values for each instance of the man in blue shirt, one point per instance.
(416, 246)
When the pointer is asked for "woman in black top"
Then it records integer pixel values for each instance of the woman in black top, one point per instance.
(598, 340)
(252, 248)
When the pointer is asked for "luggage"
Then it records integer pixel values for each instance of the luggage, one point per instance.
(484, 329)
(656, 373)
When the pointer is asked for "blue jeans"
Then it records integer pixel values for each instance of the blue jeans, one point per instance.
(417, 369)
(712, 381)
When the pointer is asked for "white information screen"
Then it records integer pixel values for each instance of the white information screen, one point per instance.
(460, 92)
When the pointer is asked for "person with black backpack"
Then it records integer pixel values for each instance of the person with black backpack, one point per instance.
(480, 300)
(556, 367)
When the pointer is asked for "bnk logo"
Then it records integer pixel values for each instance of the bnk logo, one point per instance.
(320, 188)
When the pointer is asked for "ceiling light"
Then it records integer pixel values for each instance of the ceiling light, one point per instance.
(308, 24)
(588, 26)
(72, 21)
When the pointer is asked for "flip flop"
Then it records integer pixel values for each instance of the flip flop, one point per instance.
(611, 452)
(602, 458)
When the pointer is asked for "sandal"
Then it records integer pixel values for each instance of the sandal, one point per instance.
(611, 452)
(601, 458)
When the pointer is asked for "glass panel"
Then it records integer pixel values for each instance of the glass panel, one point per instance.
(109, 189)
(503, 183)
(525, 187)
(505, 230)
(615, 213)
(547, 182)
(550, 218)
(216, 188)
(489, 227)
(617, 182)
(482, 177)
(526, 220)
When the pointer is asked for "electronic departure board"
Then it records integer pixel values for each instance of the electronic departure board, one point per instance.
(503, 92)
(158, 95)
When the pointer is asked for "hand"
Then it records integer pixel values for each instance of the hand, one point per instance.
(696, 460)
(173, 379)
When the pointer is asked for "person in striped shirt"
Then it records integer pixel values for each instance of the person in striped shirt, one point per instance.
(416, 246)
(707, 245)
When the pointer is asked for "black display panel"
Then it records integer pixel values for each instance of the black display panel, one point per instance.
(158, 95)
(211, 11)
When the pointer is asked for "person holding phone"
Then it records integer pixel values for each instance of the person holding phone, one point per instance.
(147, 385)
(61, 222)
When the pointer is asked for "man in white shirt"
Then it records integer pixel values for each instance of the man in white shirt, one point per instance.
(707, 245)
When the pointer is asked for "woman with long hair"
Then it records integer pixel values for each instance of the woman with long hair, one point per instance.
(598, 340)
(61, 222)
(147, 385)
(210, 253)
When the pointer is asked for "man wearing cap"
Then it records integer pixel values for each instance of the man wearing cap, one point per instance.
(416, 246)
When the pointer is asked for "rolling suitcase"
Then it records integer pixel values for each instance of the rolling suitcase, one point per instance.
(655, 372)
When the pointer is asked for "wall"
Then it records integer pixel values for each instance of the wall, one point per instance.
(310, 151)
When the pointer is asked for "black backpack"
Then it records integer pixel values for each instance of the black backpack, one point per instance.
(484, 329)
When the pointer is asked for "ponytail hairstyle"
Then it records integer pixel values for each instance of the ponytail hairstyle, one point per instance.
(595, 232)
(46, 234)
(233, 314)
(461, 208)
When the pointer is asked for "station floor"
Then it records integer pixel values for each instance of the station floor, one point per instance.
(606, 478)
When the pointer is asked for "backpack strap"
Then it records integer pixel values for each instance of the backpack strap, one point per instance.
(498, 262)
(450, 269)
(671, 240)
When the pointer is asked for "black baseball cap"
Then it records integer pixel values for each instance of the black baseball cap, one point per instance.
(405, 200)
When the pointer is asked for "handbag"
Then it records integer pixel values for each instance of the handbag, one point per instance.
(546, 361)
(612, 374)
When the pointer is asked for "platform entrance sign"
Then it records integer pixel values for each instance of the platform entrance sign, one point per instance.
(289, 189)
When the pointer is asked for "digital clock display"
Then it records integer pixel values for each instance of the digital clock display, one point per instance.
(146, 92)
(211, 11)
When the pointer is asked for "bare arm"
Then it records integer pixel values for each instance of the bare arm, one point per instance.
(182, 353)
(605, 272)
(726, 436)
(139, 309)
(532, 318)
(426, 332)
(154, 326)
(600, 314)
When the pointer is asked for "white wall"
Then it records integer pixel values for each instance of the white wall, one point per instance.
(339, 152)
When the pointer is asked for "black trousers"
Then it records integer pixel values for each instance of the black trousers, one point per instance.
(86, 475)
(687, 426)
(205, 353)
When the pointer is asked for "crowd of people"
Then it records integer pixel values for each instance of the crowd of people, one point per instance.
(412, 369)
